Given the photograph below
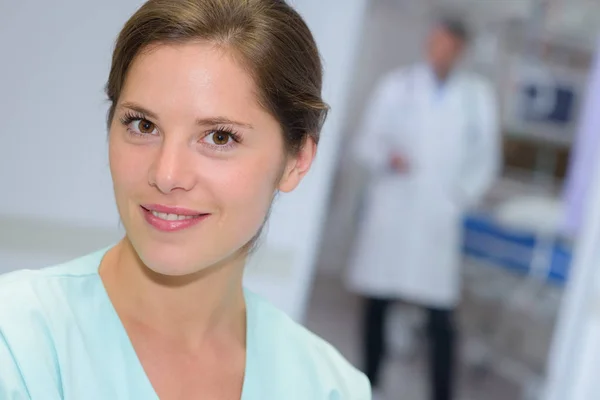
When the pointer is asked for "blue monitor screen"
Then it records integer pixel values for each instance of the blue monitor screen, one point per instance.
(561, 113)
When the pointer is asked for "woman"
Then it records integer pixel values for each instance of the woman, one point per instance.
(215, 106)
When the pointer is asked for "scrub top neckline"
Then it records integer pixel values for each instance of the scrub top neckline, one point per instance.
(132, 357)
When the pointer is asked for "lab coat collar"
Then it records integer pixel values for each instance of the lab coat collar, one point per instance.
(437, 85)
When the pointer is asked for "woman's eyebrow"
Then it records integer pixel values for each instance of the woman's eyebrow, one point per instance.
(138, 108)
(210, 121)
(222, 121)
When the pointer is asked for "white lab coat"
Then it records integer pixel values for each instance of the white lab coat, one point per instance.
(408, 244)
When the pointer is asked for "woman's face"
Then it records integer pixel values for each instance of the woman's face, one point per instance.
(195, 160)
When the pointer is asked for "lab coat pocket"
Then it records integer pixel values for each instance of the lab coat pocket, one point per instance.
(390, 207)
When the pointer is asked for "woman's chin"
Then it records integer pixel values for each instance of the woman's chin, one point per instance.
(182, 259)
(171, 270)
(170, 262)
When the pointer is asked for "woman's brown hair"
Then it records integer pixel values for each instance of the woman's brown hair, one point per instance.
(268, 37)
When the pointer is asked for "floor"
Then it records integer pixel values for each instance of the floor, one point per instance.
(334, 315)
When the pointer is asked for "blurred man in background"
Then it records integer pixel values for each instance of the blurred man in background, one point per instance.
(430, 140)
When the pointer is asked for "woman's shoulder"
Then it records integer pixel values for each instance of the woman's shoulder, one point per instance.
(36, 299)
(32, 297)
(35, 307)
(26, 286)
(297, 353)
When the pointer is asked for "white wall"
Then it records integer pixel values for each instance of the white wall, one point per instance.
(56, 199)
(298, 217)
(53, 157)
(55, 61)
(575, 356)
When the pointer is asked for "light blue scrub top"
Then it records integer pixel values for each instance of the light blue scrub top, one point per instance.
(61, 338)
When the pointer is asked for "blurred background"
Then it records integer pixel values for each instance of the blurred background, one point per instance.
(529, 322)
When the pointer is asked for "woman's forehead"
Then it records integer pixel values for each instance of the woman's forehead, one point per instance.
(195, 76)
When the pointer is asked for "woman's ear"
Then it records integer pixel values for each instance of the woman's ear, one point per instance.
(297, 166)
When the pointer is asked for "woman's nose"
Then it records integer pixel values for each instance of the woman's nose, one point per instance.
(172, 168)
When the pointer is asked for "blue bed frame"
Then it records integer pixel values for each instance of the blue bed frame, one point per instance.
(487, 240)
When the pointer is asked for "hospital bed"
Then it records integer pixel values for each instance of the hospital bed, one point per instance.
(516, 264)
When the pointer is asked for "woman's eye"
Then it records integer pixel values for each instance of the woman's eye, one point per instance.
(143, 126)
(218, 138)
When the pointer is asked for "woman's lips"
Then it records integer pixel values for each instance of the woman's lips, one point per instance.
(171, 219)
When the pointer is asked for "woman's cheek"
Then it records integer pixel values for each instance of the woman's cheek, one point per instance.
(249, 195)
(129, 165)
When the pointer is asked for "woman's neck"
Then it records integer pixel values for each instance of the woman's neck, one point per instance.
(192, 308)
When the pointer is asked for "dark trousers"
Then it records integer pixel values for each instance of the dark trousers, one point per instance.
(441, 339)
